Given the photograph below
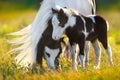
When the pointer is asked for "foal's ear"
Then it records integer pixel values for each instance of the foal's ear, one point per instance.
(54, 11)
(61, 11)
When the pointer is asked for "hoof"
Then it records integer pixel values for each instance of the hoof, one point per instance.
(96, 67)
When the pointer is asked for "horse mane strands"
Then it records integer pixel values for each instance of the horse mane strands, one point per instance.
(21, 32)
(27, 43)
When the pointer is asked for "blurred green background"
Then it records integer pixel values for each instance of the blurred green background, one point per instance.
(25, 4)
(16, 14)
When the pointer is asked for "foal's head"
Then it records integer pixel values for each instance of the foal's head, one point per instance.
(61, 19)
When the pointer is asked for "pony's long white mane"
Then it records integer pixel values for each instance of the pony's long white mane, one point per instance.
(30, 35)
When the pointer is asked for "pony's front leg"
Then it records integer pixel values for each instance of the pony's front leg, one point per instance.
(87, 46)
(74, 56)
(97, 50)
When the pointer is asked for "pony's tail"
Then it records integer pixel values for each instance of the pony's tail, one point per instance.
(27, 38)
(24, 48)
(22, 31)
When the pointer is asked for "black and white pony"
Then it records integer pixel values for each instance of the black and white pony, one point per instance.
(79, 29)
(35, 41)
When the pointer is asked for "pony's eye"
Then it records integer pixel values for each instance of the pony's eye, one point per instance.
(61, 25)
(48, 54)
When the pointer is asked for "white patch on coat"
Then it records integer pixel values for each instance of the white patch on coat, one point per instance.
(85, 29)
(57, 30)
(92, 18)
(50, 60)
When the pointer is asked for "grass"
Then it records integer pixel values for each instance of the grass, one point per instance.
(15, 20)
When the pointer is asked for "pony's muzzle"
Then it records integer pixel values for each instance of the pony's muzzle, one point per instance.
(55, 37)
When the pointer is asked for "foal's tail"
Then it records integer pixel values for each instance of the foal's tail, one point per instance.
(101, 24)
(101, 29)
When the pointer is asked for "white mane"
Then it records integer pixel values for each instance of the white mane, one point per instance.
(31, 35)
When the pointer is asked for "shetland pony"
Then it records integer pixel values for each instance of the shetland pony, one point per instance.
(49, 48)
(79, 29)
(29, 43)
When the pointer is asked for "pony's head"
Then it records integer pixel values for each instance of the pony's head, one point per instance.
(52, 52)
(51, 57)
(62, 19)
(59, 21)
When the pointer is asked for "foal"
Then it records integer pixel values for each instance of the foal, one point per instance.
(79, 29)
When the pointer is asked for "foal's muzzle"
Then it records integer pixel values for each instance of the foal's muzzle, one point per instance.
(56, 38)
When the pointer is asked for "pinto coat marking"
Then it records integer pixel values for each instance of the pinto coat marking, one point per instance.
(82, 29)
(27, 44)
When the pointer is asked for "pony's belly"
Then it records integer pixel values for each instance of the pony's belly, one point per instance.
(91, 37)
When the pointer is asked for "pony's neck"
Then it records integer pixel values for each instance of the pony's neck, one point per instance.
(71, 21)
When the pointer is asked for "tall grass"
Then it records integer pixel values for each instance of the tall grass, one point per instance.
(15, 20)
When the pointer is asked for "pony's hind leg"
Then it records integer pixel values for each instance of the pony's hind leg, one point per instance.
(81, 53)
(87, 46)
(101, 30)
(109, 53)
(97, 50)
(108, 50)
(74, 56)
(103, 39)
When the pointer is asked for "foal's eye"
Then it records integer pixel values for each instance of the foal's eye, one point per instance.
(61, 25)
(48, 54)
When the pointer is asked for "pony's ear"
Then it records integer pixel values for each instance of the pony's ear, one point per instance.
(54, 11)
(65, 7)
(61, 11)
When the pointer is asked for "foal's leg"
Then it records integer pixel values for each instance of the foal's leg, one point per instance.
(81, 53)
(74, 56)
(103, 39)
(101, 30)
(108, 50)
(97, 50)
(87, 46)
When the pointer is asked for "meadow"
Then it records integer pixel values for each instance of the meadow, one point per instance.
(16, 19)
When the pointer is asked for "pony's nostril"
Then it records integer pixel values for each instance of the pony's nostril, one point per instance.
(56, 38)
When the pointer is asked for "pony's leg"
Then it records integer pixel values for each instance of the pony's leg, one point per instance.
(108, 50)
(97, 50)
(103, 39)
(74, 56)
(40, 53)
(109, 53)
(87, 46)
(81, 53)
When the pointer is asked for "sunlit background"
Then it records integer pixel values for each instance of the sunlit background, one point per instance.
(16, 14)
